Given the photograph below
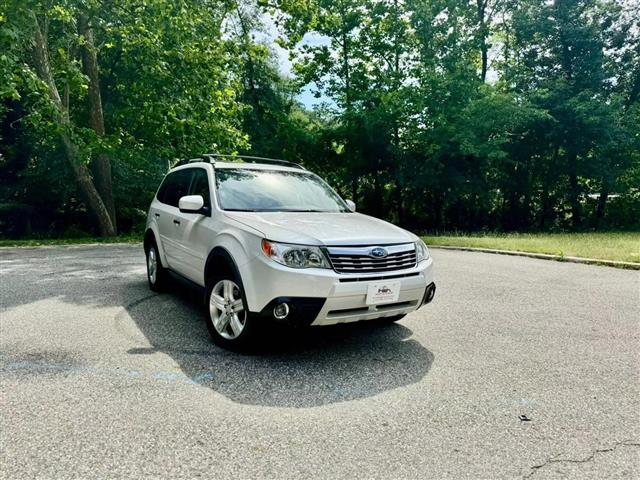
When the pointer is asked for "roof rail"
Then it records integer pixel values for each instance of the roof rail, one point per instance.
(211, 157)
(179, 163)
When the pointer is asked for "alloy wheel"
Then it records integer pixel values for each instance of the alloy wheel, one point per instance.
(152, 265)
(226, 309)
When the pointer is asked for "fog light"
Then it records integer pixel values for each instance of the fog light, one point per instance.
(281, 311)
(429, 293)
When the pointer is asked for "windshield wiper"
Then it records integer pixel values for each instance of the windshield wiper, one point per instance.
(303, 211)
(287, 210)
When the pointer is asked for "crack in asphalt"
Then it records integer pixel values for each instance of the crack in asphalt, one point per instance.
(625, 443)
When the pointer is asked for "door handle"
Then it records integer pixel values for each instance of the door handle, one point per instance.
(157, 215)
(176, 222)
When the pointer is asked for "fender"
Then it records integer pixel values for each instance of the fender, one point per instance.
(153, 234)
(220, 258)
(217, 257)
(242, 246)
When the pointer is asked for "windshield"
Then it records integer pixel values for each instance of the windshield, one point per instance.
(249, 190)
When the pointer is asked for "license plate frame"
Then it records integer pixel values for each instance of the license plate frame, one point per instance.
(379, 293)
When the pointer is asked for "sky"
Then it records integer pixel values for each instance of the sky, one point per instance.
(268, 37)
(306, 97)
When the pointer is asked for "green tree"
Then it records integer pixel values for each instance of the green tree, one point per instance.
(439, 114)
(29, 25)
(560, 63)
(134, 82)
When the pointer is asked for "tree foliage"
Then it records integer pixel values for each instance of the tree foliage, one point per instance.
(437, 114)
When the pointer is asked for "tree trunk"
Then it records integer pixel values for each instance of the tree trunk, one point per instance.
(439, 209)
(345, 57)
(484, 54)
(378, 200)
(527, 216)
(88, 189)
(574, 193)
(354, 190)
(397, 166)
(399, 202)
(81, 172)
(254, 95)
(602, 203)
(512, 216)
(101, 165)
(485, 60)
(507, 46)
(546, 203)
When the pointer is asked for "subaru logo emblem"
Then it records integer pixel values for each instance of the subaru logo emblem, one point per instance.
(378, 252)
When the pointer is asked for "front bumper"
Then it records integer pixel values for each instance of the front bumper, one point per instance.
(324, 297)
(348, 302)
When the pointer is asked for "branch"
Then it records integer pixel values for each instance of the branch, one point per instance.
(494, 9)
(43, 66)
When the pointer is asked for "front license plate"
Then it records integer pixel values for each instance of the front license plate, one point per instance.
(383, 292)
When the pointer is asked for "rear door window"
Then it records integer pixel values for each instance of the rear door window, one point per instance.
(175, 186)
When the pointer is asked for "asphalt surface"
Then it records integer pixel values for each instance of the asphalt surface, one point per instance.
(101, 378)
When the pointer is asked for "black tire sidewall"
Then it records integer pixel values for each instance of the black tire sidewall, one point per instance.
(159, 285)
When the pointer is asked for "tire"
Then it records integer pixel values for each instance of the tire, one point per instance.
(393, 319)
(157, 274)
(230, 323)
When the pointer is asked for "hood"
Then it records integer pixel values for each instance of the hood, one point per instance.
(323, 228)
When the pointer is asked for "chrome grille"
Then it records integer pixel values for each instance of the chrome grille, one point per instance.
(360, 260)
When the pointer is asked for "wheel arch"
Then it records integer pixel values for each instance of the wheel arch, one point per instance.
(151, 235)
(220, 260)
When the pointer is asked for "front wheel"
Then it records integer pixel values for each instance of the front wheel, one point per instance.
(229, 322)
(156, 272)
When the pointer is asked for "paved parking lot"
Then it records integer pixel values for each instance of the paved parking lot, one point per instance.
(521, 368)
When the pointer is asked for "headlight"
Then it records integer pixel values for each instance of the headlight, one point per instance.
(296, 256)
(422, 252)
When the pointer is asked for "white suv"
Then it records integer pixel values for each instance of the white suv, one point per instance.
(269, 240)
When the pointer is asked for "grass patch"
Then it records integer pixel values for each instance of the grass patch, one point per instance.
(603, 246)
(37, 242)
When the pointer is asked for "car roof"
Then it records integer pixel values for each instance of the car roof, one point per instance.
(257, 166)
(243, 165)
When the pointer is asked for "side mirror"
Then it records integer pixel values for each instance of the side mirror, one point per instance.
(351, 205)
(192, 204)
